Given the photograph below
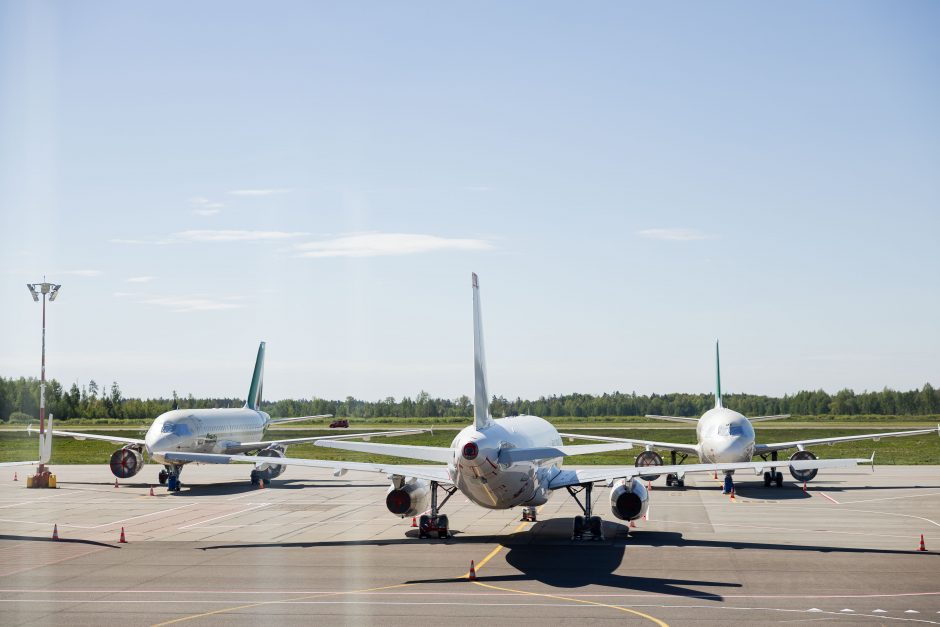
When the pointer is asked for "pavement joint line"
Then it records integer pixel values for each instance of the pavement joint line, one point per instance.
(242, 511)
(586, 602)
(260, 603)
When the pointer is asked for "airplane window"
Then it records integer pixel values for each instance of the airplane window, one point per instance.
(724, 430)
(176, 429)
(737, 430)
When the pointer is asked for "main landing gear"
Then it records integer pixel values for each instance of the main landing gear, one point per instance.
(529, 514)
(171, 478)
(674, 479)
(434, 522)
(590, 525)
(260, 478)
(773, 477)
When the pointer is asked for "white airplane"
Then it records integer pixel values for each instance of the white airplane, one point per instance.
(45, 448)
(500, 464)
(225, 430)
(724, 435)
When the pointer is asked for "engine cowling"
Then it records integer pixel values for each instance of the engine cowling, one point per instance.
(648, 458)
(629, 499)
(410, 499)
(126, 462)
(271, 471)
(803, 475)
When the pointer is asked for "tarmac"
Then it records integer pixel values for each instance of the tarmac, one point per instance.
(314, 548)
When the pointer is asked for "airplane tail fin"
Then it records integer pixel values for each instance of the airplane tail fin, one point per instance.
(717, 378)
(481, 398)
(45, 443)
(257, 382)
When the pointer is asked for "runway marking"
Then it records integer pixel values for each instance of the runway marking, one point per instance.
(594, 603)
(250, 605)
(107, 524)
(242, 511)
(894, 498)
(31, 501)
(826, 496)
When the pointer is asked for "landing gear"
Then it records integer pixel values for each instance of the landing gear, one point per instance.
(675, 480)
(768, 478)
(260, 478)
(778, 479)
(162, 477)
(173, 478)
(528, 514)
(729, 485)
(593, 526)
(433, 522)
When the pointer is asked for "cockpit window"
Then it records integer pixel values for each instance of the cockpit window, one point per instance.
(176, 428)
(731, 429)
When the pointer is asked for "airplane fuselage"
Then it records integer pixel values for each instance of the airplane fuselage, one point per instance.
(204, 430)
(477, 473)
(724, 436)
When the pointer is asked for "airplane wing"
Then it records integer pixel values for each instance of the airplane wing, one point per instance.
(280, 421)
(592, 475)
(673, 418)
(89, 436)
(427, 453)
(671, 446)
(429, 473)
(5, 464)
(246, 447)
(765, 418)
(510, 455)
(777, 446)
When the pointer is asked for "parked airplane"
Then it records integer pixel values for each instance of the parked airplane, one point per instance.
(226, 430)
(502, 463)
(45, 448)
(724, 435)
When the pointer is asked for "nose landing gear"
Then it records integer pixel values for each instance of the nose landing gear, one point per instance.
(529, 514)
(728, 485)
(172, 479)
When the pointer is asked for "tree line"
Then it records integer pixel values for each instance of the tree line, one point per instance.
(19, 400)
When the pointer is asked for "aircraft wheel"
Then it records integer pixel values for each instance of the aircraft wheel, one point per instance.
(680, 483)
(162, 477)
(596, 527)
(778, 479)
(767, 480)
(443, 527)
(577, 530)
(669, 480)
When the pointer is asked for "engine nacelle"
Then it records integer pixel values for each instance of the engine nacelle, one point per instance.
(629, 499)
(410, 499)
(648, 458)
(803, 475)
(271, 471)
(126, 462)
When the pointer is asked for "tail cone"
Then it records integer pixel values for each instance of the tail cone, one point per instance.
(473, 572)
(55, 532)
(122, 539)
(922, 547)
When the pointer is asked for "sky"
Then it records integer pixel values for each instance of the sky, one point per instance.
(630, 181)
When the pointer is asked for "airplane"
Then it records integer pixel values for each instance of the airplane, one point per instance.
(222, 430)
(725, 435)
(501, 463)
(45, 449)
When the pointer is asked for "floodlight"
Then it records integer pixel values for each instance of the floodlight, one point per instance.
(53, 292)
(33, 292)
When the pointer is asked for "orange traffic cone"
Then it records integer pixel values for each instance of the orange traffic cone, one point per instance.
(804, 486)
(14, 477)
(922, 547)
(151, 490)
(414, 521)
(473, 572)
(716, 476)
(732, 493)
(122, 539)
(55, 532)
(633, 524)
(115, 482)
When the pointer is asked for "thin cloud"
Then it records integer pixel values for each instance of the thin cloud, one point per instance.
(85, 273)
(205, 207)
(140, 279)
(119, 240)
(673, 235)
(234, 236)
(182, 304)
(260, 192)
(387, 244)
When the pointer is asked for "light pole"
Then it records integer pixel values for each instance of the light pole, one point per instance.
(51, 290)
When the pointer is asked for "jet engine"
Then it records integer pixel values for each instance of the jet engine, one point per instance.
(410, 499)
(649, 458)
(272, 471)
(803, 475)
(629, 499)
(126, 462)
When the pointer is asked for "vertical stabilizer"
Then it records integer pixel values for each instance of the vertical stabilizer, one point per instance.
(257, 382)
(717, 378)
(481, 397)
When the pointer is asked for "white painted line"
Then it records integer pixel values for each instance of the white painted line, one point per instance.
(201, 522)
(826, 496)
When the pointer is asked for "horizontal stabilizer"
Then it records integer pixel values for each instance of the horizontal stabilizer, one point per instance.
(281, 421)
(765, 418)
(673, 418)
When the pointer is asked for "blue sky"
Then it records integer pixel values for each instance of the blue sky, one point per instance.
(630, 181)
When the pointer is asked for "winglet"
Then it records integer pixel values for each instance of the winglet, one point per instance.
(481, 397)
(717, 378)
(257, 381)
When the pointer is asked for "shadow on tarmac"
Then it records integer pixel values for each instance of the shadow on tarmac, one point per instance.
(227, 489)
(60, 540)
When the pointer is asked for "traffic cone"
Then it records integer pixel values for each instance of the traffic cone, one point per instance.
(261, 484)
(732, 493)
(716, 476)
(116, 483)
(922, 547)
(55, 532)
(414, 521)
(14, 477)
(804, 486)
(151, 490)
(473, 572)
(632, 524)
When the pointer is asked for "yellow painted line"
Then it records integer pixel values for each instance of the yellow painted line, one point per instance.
(573, 600)
(259, 604)
(493, 553)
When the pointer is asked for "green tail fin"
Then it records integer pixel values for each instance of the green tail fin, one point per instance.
(257, 381)
(717, 378)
